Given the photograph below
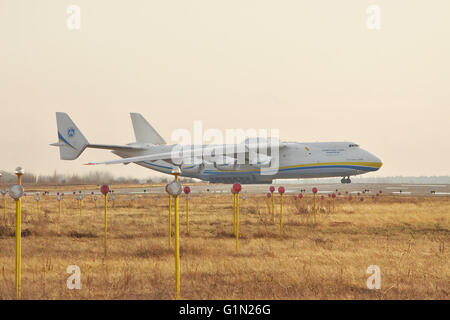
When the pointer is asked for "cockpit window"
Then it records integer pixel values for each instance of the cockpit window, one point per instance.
(353, 145)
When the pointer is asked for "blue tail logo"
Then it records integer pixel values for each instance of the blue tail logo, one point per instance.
(71, 132)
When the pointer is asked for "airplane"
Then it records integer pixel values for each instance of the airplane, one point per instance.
(290, 160)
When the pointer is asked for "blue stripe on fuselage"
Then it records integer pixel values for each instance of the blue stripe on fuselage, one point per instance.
(156, 165)
(298, 168)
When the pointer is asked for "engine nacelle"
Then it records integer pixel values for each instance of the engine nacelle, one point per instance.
(191, 168)
(228, 164)
(228, 167)
(259, 160)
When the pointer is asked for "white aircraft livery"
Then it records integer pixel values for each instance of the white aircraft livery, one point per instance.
(255, 160)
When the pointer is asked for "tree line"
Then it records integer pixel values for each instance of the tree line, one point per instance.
(98, 177)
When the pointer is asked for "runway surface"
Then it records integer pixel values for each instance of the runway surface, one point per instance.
(433, 190)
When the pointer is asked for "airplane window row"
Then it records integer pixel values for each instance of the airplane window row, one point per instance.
(353, 145)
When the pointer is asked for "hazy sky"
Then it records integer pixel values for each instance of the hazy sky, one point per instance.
(310, 68)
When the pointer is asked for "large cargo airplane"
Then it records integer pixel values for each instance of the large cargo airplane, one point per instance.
(244, 163)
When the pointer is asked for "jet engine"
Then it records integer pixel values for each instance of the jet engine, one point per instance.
(259, 160)
(189, 166)
(227, 164)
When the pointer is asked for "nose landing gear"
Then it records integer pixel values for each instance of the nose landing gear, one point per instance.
(346, 180)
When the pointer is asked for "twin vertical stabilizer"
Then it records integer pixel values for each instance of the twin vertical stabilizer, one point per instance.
(72, 142)
(143, 131)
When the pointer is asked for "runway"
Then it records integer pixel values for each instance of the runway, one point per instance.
(432, 190)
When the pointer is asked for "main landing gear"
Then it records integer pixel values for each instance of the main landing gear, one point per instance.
(346, 180)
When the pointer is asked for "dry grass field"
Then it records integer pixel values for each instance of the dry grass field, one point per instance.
(407, 237)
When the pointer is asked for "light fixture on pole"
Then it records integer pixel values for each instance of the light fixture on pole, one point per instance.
(187, 190)
(38, 199)
(237, 188)
(281, 191)
(16, 192)
(19, 173)
(104, 190)
(170, 215)
(174, 189)
(4, 202)
(272, 189)
(59, 198)
(314, 190)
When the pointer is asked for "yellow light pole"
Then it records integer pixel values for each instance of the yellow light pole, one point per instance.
(234, 210)
(187, 190)
(334, 199)
(170, 217)
(59, 198)
(106, 224)
(4, 203)
(237, 222)
(105, 190)
(80, 200)
(272, 189)
(281, 191)
(314, 190)
(177, 242)
(187, 213)
(38, 199)
(174, 189)
(237, 188)
(113, 198)
(3, 192)
(16, 192)
(300, 197)
(269, 195)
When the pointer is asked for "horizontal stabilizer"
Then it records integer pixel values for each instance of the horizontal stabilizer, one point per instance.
(114, 147)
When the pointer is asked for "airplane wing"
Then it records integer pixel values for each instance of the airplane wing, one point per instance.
(210, 150)
(151, 157)
(114, 147)
(104, 146)
(163, 156)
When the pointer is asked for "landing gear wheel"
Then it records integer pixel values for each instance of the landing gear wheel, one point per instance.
(346, 180)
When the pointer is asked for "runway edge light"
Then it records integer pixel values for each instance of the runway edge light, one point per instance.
(272, 189)
(187, 190)
(314, 190)
(237, 188)
(104, 189)
(281, 191)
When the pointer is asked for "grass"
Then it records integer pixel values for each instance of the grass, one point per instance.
(407, 237)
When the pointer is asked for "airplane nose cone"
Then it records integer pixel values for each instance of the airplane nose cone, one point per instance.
(377, 161)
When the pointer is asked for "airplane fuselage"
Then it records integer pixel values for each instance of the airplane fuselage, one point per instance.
(296, 160)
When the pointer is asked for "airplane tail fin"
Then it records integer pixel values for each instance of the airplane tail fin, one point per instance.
(71, 141)
(143, 131)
